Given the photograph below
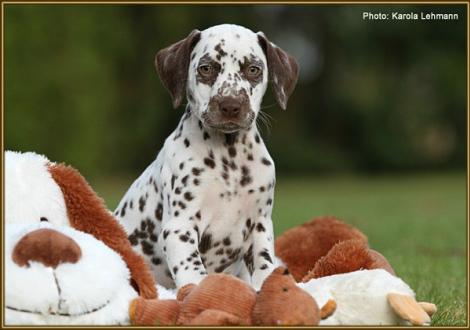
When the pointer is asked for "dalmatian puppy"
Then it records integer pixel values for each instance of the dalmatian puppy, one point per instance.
(204, 205)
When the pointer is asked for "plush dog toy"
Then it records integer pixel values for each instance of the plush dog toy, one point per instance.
(356, 284)
(67, 261)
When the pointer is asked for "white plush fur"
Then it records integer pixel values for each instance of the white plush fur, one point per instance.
(30, 190)
(99, 278)
(164, 293)
(361, 297)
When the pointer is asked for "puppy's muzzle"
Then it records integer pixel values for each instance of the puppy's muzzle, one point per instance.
(229, 113)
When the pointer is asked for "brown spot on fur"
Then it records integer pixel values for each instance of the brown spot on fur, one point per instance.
(254, 80)
(208, 79)
(206, 243)
(220, 52)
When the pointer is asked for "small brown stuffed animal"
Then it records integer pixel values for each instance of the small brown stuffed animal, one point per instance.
(301, 247)
(222, 299)
(333, 261)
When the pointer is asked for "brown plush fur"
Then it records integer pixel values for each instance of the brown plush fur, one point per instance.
(87, 212)
(221, 292)
(344, 257)
(46, 246)
(379, 261)
(215, 317)
(302, 246)
(184, 291)
(282, 302)
(154, 312)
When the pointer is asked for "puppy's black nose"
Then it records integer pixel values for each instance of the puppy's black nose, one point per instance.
(230, 107)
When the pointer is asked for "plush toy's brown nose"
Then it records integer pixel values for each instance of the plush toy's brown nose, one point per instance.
(46, 246)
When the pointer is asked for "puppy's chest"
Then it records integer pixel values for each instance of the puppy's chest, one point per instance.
(232, 185)
(233, 180)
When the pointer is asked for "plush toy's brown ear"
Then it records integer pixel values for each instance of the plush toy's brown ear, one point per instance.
(348, 256)
(87, 212)
(172, 65)
(283, 70)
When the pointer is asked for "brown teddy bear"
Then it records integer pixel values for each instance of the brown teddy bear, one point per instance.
(222, 299)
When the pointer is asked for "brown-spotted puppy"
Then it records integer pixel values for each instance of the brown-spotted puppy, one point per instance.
(204, 205)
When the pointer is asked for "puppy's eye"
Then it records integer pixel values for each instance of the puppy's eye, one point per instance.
(253, 71)
(205, 69)
(44, 219)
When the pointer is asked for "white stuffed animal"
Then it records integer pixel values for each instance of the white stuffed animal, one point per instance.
(351, 283)
(67, 260)
(368, 297)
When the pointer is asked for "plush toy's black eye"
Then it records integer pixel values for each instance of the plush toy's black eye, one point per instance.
(44, 219)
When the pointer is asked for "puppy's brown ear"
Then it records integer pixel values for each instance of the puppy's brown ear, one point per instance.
(283, 70)
(88, 213)
(172, 65)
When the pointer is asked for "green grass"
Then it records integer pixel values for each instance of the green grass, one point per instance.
(417, 221)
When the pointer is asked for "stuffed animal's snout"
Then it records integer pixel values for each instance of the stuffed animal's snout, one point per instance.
(47, 246)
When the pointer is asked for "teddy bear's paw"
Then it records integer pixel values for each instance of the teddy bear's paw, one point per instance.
(153, 312)
(184, 291)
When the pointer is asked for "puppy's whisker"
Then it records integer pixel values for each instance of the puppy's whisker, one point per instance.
(268, 106)
(265, 119)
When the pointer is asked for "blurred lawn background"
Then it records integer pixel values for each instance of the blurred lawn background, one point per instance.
(375, 132)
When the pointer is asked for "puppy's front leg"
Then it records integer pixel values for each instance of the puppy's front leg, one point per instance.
(262, 252)
(179, 244)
